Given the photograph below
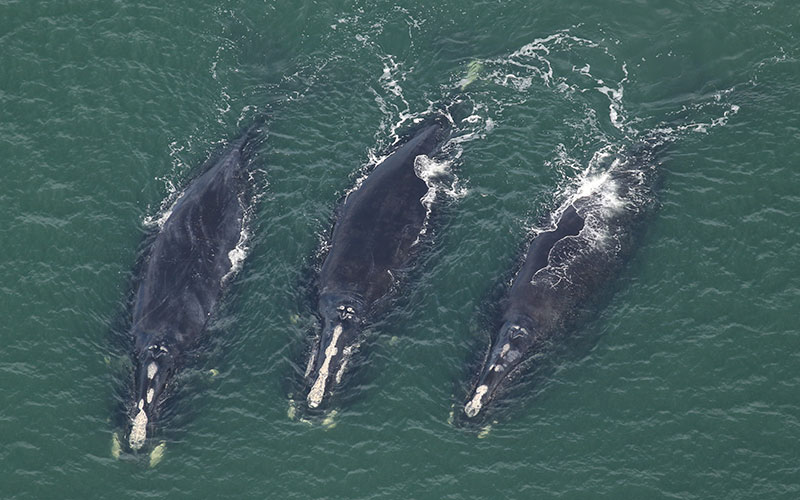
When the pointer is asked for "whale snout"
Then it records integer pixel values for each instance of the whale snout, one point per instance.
(506, 355)
(489, 385)
(474, 405)
(138, 434)
(154, 368)
(329, 360)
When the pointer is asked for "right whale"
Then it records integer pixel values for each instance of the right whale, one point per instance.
(375, 236)
(588, 238)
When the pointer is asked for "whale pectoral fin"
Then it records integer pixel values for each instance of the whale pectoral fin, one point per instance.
(329, 422)
(116, 446)
(485, 430)
(473, 70)
(157, 455)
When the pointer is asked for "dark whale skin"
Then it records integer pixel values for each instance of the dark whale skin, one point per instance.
(374, 236)
(565, 266)
(183, 277)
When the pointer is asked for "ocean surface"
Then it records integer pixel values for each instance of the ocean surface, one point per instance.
(683, 382)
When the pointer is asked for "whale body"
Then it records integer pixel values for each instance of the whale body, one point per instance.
(587, 241)
(378, 227)
(183, 277)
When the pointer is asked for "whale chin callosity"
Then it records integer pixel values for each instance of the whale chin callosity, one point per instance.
(589, 236)
(375, 236)
(183, 275)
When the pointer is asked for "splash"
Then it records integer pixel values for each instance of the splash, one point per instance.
(439, 177)
(239, 253)
(158, 220)
(610, 194)
(391, 100)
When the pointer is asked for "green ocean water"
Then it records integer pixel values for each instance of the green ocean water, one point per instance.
(683, 383)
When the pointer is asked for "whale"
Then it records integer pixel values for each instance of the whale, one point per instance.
(185, 270)
(582, 247)
(375, 235)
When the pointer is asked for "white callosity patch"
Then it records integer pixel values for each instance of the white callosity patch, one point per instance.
(347, 353)
(474, 406)
(317, 391)
(138, 428)
(150, 393)
(152, 369)
(310, 365)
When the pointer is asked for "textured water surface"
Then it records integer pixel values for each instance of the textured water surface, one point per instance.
(681, 383)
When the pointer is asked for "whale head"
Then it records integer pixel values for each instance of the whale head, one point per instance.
(507, 353)
(330, 356)
(155, 365)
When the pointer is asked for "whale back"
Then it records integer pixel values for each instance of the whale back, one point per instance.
(189, 257)
(594, 232)
(379, 223)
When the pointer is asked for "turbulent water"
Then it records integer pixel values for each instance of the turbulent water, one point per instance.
(681, 383)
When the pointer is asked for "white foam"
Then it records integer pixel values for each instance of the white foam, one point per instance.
(436, 175)
(669, 132)
(152, 369)
(158, 219)
(600, 197)
(167, 206)
(615, 111)
(393, 101)
(237, 256)
(533, 59)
